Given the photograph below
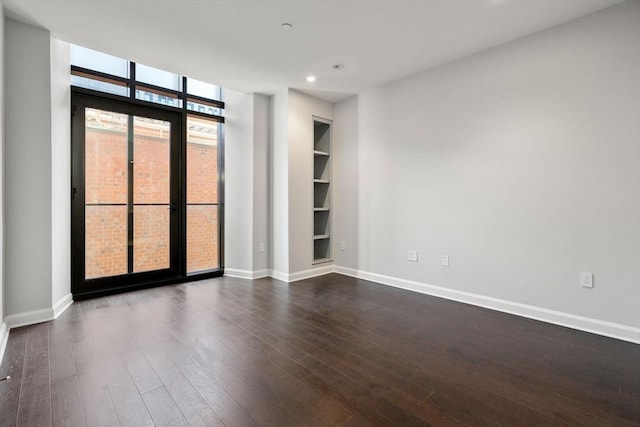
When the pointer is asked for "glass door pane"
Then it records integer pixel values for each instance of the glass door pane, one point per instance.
(202, 194)
(145, 200)
(129, 201)
(151, 194)
(105, 193)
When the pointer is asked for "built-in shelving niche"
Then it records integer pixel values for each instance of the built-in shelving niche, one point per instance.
(321, 190)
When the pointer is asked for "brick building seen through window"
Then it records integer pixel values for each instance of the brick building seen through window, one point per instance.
(106, 183)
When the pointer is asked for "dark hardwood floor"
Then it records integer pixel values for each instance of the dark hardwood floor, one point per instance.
(326, 351)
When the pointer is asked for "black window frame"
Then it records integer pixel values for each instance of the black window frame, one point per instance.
(180, 275)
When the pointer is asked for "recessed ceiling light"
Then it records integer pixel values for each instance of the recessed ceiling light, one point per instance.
(311, 79)
(286, 26)
(337, 66)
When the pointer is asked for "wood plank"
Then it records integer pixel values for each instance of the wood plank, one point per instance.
(141, 372)
(13, 366)
(163, 409)
(35, 395)
(259, 408)
(97, 404)
(311, 402)
(76, 325)
(65, 399)
(62, 361)
(218, 399)
(283, 400)
(127, 401)
(191, 404)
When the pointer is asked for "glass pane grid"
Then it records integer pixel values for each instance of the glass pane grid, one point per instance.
(108, 65)
(128, 199)
(107, 199)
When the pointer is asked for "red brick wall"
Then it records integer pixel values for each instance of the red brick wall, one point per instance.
(151, 172)
(202, 173)
(150, 238)
(106, 241)
(106, 166)
(202, 238)
(151, 184)
(106, 182)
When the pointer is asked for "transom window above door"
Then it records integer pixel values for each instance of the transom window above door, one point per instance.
(109, 74)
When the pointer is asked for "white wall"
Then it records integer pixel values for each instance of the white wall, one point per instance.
(3, 329)
(291, 181)
(302, 109)
(261, 190)
(27, 171)
(246, 183)
(238, 180)
(36, 175)
(61, 170)
(521, 163)
(345, 178)
(279, 184)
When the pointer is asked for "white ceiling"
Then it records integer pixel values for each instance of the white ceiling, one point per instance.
(239, 44)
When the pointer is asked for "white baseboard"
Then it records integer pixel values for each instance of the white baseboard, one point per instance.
(29, 318)
(346, 271)
(279, 275)
(313, 272)
(62, 304)
(595, 326)
(39, 316)
(259, 274)
(301, 275)
(4, 338)
(246, 274)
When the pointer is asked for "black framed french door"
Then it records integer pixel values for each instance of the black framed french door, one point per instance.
(127, 221)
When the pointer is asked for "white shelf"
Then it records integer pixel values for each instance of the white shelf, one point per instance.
(321, 191)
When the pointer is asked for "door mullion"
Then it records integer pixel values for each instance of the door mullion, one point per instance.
(130, 167)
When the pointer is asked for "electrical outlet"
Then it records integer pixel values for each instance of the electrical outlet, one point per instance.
(586, 280)
(413, 256)
(343, 246)
(260, 247)
(444, 260)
